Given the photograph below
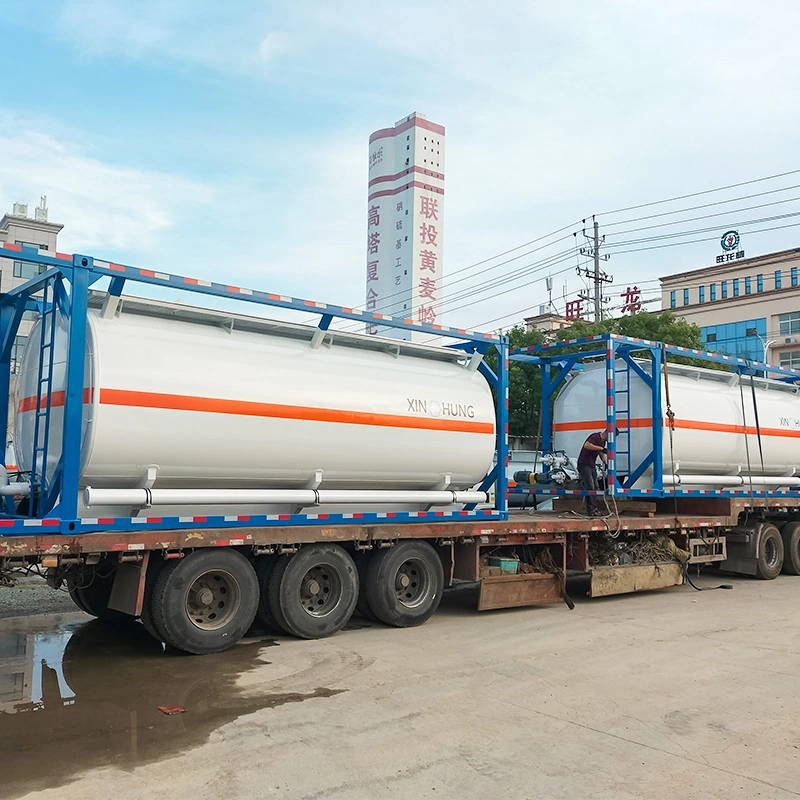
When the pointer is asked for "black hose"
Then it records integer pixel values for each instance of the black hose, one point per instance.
(702, 588)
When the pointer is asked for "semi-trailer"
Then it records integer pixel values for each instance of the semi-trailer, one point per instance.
(194, 468)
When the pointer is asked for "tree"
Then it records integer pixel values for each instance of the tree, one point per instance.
(663, 327)
(524, 384)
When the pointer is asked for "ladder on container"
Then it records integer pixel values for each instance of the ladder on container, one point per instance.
(622, 409)
(44, 398)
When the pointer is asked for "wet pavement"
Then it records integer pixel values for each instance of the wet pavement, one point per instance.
(665, 694)
(78, 694)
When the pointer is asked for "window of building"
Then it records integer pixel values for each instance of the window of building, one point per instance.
(686, 297)
(759, 283)
(724, 286)
(794, 276)
(672, 301)
(24, 269)
(748, 287)
(789, 324)
(713, 291)
(777, 279)
(790, 359)
(740, 339)
(735, 287)
(702, 294)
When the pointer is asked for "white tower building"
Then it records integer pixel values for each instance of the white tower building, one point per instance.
(405, 223)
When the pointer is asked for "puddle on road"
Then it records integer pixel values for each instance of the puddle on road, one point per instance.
(79, 695)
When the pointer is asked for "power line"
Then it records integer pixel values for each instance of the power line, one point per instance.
(742, 224)
(704, 216)
(699, 194)
(706, 239)
(528, 269)
(538, 268)
(385, 309)
(634, 250)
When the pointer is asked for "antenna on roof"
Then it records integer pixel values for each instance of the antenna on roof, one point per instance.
(41, 210)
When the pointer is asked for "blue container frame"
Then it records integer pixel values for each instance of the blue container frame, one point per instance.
(556, 364)
(69, 278)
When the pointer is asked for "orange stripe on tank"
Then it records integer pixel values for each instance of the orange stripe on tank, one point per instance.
(685, 424)
(56, 401)
(214, 405)
(599, 424)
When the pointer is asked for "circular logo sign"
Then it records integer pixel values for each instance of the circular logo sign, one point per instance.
(730, 240)
(435, 408)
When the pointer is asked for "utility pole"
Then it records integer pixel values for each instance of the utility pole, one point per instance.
(598, 277)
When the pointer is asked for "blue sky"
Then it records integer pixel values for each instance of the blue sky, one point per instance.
(229, 140)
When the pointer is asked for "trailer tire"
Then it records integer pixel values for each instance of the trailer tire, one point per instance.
(78, 600)
(791, 548)
(769, 555)
(405, 584)
(265, 566)
(205, 602)
(313, 593)
(93, 597)
(362, 604)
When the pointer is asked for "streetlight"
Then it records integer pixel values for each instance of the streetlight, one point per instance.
(764, 344)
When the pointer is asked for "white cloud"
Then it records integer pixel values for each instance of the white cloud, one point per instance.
(553, 111)
(237, 39)
(101, 205)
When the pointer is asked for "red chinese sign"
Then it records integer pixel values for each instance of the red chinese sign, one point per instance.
(573, 310)
(633, 300)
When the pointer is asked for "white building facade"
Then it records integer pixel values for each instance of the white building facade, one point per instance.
(745, 307)
(405, 224)
(36, 231)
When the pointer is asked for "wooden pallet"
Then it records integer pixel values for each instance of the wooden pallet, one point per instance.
(639, 508)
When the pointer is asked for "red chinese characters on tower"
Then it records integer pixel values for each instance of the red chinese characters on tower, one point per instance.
(372, 271)
(373, 241)
(429, 207)
(373, 216)
(573, 310)
(427, 261)
(428, 235)
(426, 314)
(427, 288)
(632, 297)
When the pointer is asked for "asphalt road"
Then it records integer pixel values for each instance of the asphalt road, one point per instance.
(671, 694)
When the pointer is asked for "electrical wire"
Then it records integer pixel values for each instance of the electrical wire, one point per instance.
(522, 272)
(633, 250)
(476, 291)
(699, 194)
(742, 224)
(529, 269)
(703, 216)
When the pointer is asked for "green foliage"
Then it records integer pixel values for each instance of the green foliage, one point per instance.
(524, 384)
(663, 327)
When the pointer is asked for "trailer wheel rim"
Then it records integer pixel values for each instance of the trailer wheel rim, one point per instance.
(213, 600)
(412, 583)
(771, 552)
(320, 590)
